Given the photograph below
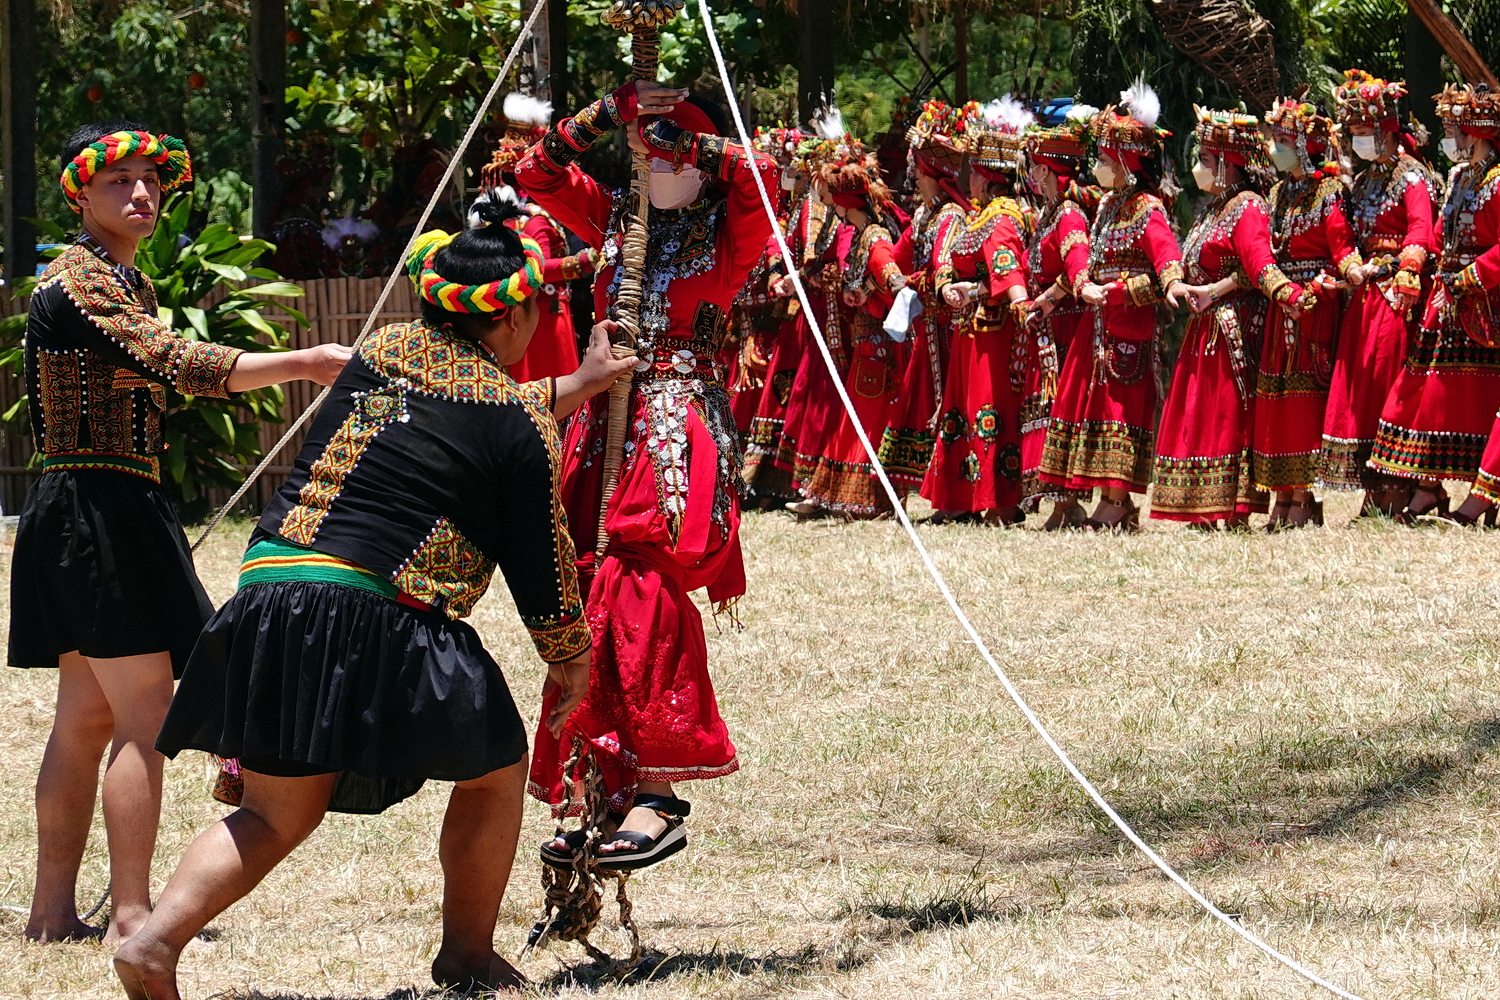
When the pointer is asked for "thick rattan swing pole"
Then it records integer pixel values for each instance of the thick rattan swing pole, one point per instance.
(644, 45)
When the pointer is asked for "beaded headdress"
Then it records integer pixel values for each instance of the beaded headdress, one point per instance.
(1475, 110)
(778, 141)
(994, 135)
(1063, 148)
(174, 167)
(491, 297)
(1364, 99)
(1302, 126)
(1128, 130)
(526, 121)
(937, 138)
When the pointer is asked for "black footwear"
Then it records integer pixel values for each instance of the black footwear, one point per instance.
(649, 850)
(574, 839)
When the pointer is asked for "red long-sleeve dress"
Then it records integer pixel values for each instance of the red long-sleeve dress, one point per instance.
(814, 410)
(1056, 257)
(1437, 418)
(1102, 429)
(1311, 236)
(771, 452)
(842, 478)
(925, 254)
(1390, 211)
(673, 524)
(976, 460)
(553, 350)
(1203, 454)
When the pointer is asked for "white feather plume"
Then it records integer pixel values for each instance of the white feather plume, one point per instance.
(1144, 105)
(525, 108)
(1081, 112)
(829, 123)
(503, 193)
(1008, 115)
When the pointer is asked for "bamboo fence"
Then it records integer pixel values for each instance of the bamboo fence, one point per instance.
(337, 309)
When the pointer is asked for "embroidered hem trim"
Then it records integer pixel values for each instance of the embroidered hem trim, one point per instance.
(145, 466)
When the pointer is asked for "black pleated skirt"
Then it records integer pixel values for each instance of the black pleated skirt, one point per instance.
(101, 565)
(304, 677)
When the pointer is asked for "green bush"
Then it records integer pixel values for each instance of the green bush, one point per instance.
(209, 441)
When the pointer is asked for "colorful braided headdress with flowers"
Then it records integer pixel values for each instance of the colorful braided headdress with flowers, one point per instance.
(174, 167)
(937, 138)
(1365, 99)
(491, 297)
(1305, 128)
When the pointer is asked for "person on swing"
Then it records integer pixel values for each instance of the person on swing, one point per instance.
(650, 718)
(341, 674)
(102, 586)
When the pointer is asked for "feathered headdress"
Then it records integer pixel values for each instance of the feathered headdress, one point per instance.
(526, 121)
(1063, 148)
(1128, 130)
(993, 134)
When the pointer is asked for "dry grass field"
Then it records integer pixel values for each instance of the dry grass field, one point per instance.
(1305, 723)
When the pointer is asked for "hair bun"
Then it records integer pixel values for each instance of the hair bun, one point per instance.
(495, 206)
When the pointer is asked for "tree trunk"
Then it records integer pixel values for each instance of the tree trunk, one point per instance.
(815, 56)
(557, 79)
(960, 54)
(268, 73)
(18, 134)
(1424, 72)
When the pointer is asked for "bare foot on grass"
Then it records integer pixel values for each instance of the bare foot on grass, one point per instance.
(455, 972)
(147, 969)
(70, 931)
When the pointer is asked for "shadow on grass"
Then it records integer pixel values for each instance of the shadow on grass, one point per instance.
(779, 966)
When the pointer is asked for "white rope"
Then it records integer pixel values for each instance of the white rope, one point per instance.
(942, 584)
(437, 195)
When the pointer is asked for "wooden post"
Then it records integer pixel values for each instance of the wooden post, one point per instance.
(1448, 35)
(557, 82)
(1424, 72)
(816, 39)
(268, 73)
(18, 141)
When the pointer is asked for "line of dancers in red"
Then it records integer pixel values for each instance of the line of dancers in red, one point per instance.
(1002, 330)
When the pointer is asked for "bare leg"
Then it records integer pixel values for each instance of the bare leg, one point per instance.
(65, 791)
(477, 849)
(220, 867)
(641, 819)
(139, 690)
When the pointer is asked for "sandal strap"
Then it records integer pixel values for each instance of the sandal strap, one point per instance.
(667, 806)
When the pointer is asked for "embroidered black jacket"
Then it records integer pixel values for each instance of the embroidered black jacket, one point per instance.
(428, 466)
(97, 359)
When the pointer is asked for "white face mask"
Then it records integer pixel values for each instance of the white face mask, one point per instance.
(1203, 176)
(679, 190)
(1106, 174)
(788, 179)
(1364, 147)
(1452, 152)
(1285, 158)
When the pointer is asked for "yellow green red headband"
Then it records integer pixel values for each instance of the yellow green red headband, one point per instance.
(492, 297)
(174, 167)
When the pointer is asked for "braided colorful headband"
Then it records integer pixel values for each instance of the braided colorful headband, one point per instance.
(492, 297)
(174, 166)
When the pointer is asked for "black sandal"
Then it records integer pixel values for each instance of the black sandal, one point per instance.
(574, 839)
(649, 850)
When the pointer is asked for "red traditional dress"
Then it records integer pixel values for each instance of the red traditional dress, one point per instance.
(1056, 259)
(1437, 418)
(814, 409)
(843, 479)
(1311, 237)
(976, 461)
(1390, 212)
(770, 452)
(553, 350)
(1203, 452)
(673, 524)
(925, 254)
(1102, 427)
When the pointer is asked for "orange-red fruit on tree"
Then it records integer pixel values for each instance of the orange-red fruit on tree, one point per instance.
(95, 94)
(367, 140)
(197, 81)
(293, 36)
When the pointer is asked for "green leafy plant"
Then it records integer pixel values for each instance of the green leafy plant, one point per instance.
(203, 291)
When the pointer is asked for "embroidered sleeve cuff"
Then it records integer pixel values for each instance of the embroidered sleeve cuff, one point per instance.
(1273, 282)
(1142, 289)
(1059, 290)
(578, 265)
(1412, 258)
(944, 275)
(1467, 282)
(1078, 282)
(890, 277)
(1406, 283)
(1171, 272)
(1349, 262)
(205, 369)
(559, 640)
